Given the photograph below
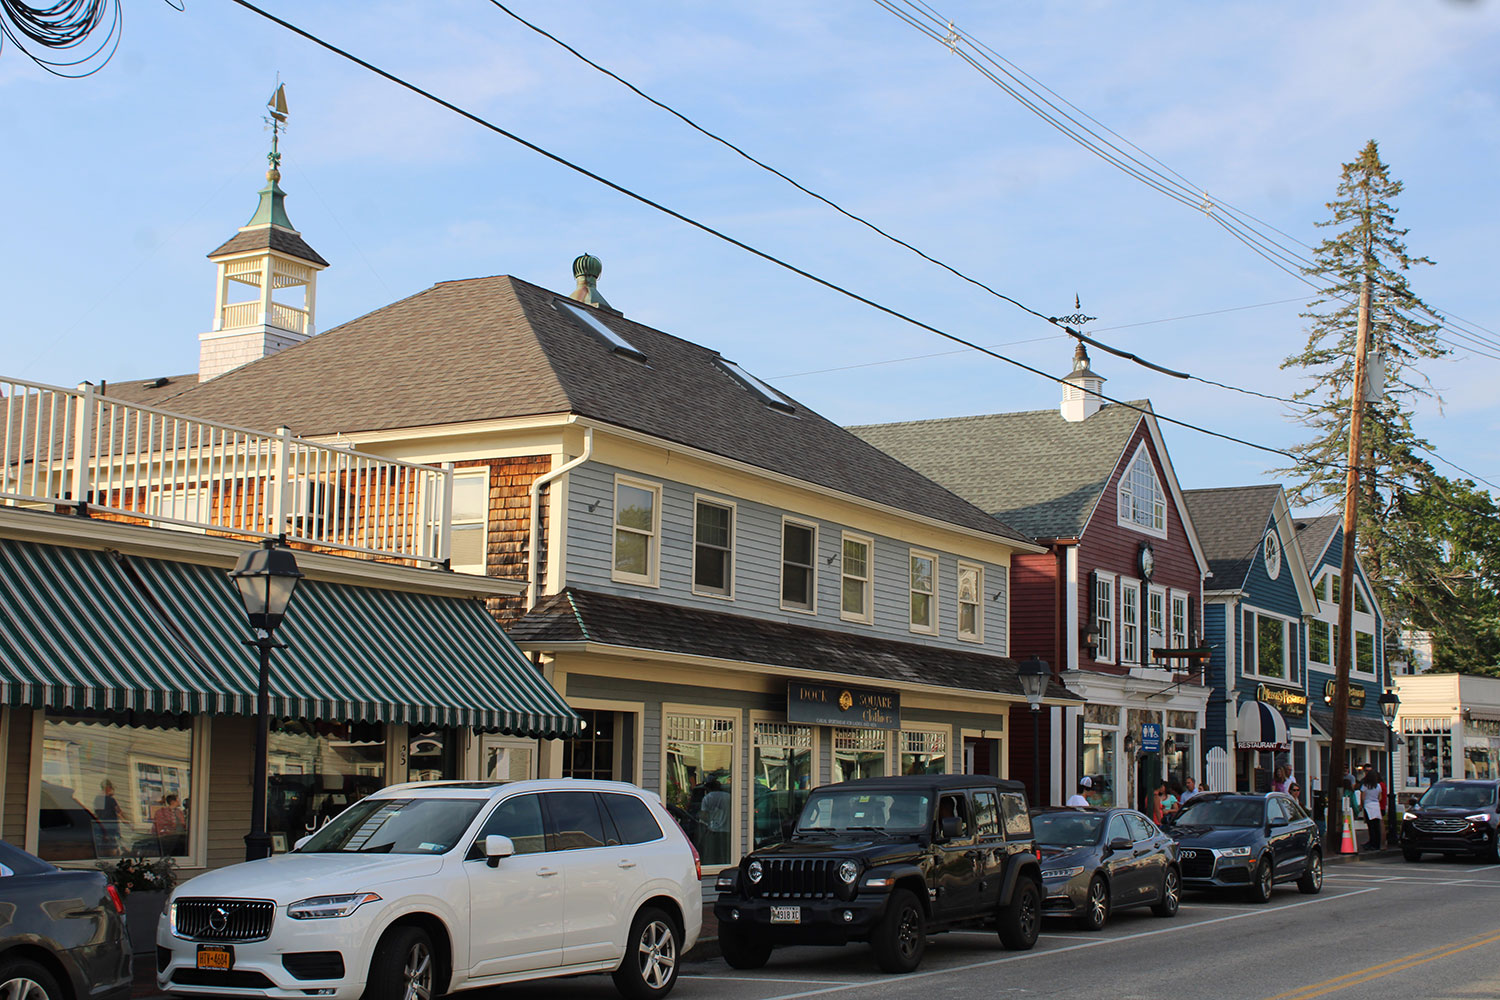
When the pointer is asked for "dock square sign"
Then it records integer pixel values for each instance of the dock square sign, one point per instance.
(843, 705)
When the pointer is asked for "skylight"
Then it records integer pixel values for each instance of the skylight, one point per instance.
(589, 319)
(769, 396)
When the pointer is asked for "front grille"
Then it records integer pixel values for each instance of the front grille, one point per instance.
(314, 964)
(205, 919)
(1197, 864)
(234, 979)
(796, 878)
(1439, 824)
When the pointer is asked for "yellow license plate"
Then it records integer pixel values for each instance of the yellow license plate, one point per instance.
(219, 958)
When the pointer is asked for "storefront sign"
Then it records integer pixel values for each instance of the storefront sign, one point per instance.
(1356, 693)
(1151, 737)
(1291, 704)
(841, 705)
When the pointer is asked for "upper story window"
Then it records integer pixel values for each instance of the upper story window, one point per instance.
(1364, 651)
(1156, 616)
(1130, 622)
(1266, 647)
(799, 545)
(1272, 549)
(1104, 617)
(637, 531)
(1319, 645)
(713, 548)
(1142, 504)
(466, 540)
(971, 602)
(924, 597)
(1322, 588)
(857, 578)
(1359, 599)
(1179, 621)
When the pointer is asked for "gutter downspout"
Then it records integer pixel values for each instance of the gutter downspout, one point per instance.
(536, 511)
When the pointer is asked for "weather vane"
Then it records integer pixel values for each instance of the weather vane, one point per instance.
(277, 121)
(1076, 319)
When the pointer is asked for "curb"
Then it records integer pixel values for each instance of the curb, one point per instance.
(1380, 855)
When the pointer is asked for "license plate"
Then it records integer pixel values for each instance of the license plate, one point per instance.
(218, 957)
(786, 914)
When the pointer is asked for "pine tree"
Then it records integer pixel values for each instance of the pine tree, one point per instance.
(1366, 242)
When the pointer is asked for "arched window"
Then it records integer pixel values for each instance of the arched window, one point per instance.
(1142, 503)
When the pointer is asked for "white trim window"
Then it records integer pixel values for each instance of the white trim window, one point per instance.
(1364, 651)
(637, 534)
(799, 565)
(1267, 647)
(467, 536)
(971, 602)
(1104, 617)
(1156, 617)
(1271, 549)
(1142, 505)
(1179, 620)
(856, 579)
(923, 584)
(713, 547)
(1130, 626)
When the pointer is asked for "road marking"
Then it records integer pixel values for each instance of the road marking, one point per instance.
(1023, 956)
(768, 979)
(1386, 968)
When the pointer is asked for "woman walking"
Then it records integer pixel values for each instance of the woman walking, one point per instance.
(1372, 799)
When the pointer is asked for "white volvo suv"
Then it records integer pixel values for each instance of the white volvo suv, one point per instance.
(428, 888)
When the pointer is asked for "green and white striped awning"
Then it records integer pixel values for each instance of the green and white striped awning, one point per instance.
(90, 630)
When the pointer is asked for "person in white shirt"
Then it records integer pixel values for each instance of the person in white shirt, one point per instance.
(1190, 789)
(1085, 789)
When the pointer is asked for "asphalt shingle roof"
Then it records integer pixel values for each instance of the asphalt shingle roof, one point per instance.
(1034, 470)
(1313, 535)
(272, 238)
(1231, 521)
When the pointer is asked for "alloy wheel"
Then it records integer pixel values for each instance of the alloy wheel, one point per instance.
(22, 988)
(657, 954)
(1098, 903)
(418, 973)
(1267, 878)
(906, 934)
(1030, 916)
(1173, 890)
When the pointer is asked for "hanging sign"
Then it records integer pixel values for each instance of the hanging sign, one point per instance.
(1356, 693)
(842, 705)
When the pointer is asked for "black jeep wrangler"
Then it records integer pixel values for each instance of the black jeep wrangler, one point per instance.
(888, 861)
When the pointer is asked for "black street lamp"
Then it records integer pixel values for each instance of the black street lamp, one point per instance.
(1033, 674)
(1388, 705)
(265, 578)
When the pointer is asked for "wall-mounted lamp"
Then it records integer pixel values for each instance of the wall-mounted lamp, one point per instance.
(593, 506)
(1130, 743)
(1091, 638)
(830, 559)
(1169, 746)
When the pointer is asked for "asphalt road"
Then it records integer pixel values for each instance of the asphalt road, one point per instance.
(1379, 929)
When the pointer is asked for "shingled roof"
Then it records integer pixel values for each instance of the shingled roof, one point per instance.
(585, 616)
(496, 347)
(1314, 534)
(1033, 470)
(1231, 522)
(269, 238)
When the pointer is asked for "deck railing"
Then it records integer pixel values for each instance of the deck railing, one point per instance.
(104, 455)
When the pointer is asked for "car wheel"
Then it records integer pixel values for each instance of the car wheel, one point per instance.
(1411, 854)
(1493, 854)
(743, 949)
(21, 979)
(901, 936)
(1096, 906)
(404, 967)
(1021, 921)
(1171, 894)
(649, 969)
(1311, 882)
(1261, 882)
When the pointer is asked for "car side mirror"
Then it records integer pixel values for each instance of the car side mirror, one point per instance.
(949, 827)
(497, 847)
(1277, 821)
(1120, 844)
(301, 841)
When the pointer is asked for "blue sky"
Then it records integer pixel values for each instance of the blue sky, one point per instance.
(118, 185)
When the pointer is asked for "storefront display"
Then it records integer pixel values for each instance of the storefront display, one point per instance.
(924, 753)
(1429, 750)
(858, 753)
(782, 765)
(316, 770)
(700, 786)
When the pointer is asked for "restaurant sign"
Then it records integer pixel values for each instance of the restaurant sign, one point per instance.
(1356, 693)
(842, 705)
(1291, 704)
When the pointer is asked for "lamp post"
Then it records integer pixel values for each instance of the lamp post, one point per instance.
(265, 578)
(1388, 705)
(1034, 673)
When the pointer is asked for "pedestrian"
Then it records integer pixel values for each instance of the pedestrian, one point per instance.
(1372, 798)
(1170, 803)
(1081, 797)
(1278, 783)
(169, 824)
(107, 812)
(1190, 788)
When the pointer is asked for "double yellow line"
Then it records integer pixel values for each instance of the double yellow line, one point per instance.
(1386, 968)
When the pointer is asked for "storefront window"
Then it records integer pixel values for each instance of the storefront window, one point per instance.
(700, 789)
(432, 754)
(591, 754)
(924, 753)
(1481, 743)
(316, 770)
(782, 764)
(1099, 763)
(112, 785)
(1429, 750)
(858, 753)
(1182, 758)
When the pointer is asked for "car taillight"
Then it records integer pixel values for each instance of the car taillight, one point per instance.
(697, 861)
(114, 897)
(1038, 853)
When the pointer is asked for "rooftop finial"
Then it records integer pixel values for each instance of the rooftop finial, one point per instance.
(277, 120)
(587, 268)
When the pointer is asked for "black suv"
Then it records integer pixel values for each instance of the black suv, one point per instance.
(888, 861)
(1249, 842)
(1453, 817)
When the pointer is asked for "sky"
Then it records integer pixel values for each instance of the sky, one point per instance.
(118, 185)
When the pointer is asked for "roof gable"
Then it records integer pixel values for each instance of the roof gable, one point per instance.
(1231, 523)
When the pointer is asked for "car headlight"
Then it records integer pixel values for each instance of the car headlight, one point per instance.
(848, 872)
(323, 907)
(1233, 852)
(755, 872)
(1478, 818)
(1062, 872)
(1406, 817)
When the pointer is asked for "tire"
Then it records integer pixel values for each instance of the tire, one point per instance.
(1096, 906)
(1261, 883)
(1021, 921)
(652, 956)
(404, 967)
(1311, 882)
(1493, 854)
(1171, 894)
(900, 938)
(1411, 854)
(28, 980)
(743, 949)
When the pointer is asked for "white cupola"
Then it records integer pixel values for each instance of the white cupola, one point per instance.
(1081, 388)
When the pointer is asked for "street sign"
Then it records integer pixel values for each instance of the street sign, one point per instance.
(1151, 737)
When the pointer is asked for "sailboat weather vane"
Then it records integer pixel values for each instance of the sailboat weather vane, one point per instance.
(277, 121)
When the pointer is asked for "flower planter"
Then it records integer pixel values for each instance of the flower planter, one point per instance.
(142, 907)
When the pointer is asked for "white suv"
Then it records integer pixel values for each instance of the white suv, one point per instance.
(428, 888)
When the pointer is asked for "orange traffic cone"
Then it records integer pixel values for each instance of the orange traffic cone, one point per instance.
(1348, 846)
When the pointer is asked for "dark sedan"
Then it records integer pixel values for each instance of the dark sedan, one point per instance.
(1248, 842)
(1454, 817)
(62, 933)
(1097, 862)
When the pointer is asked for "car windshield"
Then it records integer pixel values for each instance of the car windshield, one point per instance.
(396, 826)
(1223, 812)
(848, 809)
(1066, 829)
(1465, 795)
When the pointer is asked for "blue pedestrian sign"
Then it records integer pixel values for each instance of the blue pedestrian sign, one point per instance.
(1151, 737)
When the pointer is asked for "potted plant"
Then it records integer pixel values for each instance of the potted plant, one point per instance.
(144, 883)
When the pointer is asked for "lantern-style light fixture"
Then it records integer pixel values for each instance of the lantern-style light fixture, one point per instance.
(266, 579)
(1388, 705)
(1033, 674)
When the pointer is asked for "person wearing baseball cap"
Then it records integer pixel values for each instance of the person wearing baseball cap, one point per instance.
(1085, 789)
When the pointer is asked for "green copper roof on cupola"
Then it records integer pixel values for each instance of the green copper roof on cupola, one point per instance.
(587, 268)
(272, 208)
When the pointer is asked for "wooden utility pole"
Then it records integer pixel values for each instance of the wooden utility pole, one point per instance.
(1334, 779)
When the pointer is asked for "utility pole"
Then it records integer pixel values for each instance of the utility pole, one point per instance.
(1335, 822)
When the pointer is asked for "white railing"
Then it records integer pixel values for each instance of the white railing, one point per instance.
(285, 317)
(104, 455)
(238, 314)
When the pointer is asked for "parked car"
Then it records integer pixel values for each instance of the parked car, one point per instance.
(62, 933)
(430, 888)
(1454, 817)
(1248, 842)
(888, 861)
(1097, 862)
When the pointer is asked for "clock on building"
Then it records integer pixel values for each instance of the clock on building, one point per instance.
(1147, 561)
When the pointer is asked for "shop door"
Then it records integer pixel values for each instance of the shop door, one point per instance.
(981, 756)
(505, 758)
